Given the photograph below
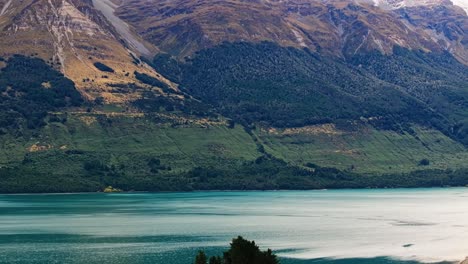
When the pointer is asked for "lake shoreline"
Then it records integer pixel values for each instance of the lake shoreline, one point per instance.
(236, 190)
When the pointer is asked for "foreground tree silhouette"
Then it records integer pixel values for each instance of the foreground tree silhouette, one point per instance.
(215, 260)
(200, 258)
(242, 251)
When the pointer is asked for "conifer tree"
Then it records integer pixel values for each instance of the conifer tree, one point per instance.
(201, 258)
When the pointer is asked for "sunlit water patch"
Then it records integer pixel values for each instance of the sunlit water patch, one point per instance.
(320, 227)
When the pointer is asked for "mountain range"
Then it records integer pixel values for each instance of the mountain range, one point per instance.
(232, 94)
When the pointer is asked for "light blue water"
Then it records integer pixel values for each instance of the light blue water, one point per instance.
(321, 227)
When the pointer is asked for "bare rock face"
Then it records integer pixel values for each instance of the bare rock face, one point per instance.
(71, 35)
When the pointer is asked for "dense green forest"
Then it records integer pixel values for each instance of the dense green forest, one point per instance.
(227, 128)
(288, 87)
(29, 88)
(262, 174)
(437, 80)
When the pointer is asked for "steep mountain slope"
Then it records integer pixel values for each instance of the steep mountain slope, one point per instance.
(285, 87)
(351, 63)
(107, 8)
(207, 94)
(338, 27)
(183, 27)
(291, 88)
(71, 36)
(321, 64)
(445, 24)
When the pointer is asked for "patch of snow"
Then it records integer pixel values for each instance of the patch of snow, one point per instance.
(396, 4)
(462, 3)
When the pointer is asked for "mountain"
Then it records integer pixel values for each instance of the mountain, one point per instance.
(182, 27)
(206, 94)
(71, 36)
(341, 28)
(320, 66)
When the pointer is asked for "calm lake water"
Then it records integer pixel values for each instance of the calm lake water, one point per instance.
(320, 227)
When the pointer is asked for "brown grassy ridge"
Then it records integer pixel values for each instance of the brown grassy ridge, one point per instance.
(340, 28)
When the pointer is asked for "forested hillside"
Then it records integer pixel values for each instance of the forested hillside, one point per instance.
(161, 95)
(287, 87)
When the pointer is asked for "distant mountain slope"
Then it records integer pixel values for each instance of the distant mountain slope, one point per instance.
(107, 8)
(206, 94)
(287, 87)
(71, 36)
(445, 24)
(329, 60)
(338, 27)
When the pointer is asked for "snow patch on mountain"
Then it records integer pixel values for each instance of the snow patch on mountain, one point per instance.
(396, 4)
(462, 3)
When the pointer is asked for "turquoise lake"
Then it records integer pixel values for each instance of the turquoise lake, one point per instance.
(320, 227)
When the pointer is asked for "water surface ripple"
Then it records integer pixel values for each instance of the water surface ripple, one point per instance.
(333, 226)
